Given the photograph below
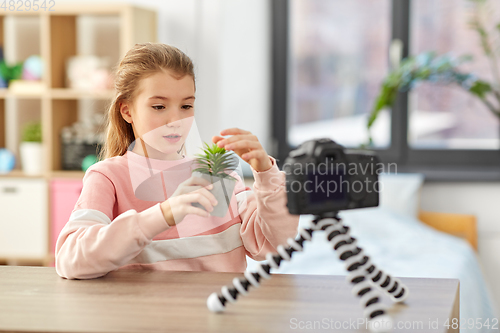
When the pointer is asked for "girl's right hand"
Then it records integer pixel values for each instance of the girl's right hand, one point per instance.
(194, 189)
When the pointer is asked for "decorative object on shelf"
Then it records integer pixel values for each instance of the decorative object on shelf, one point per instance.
(31, 149)
(88, 73)
(80, 140)
(3, 82)
(213, 165)
(9, 72)
(30, 81)
(88, 161)
(24, 78)
(444, 70)
(33, 68)
(7, 161)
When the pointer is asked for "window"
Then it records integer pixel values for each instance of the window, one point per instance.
(329, 58)
(448, 116)
(336, 66)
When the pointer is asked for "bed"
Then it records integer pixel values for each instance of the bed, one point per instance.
(406, 242)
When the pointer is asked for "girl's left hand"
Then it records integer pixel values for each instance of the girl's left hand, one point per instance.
(245, 145)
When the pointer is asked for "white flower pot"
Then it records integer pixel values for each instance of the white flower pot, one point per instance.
(32, 158)
(222, 190)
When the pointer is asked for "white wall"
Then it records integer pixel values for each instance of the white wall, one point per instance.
(481, 200)
(228, 41)
(230, 47)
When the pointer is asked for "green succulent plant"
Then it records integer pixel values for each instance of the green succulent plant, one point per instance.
(216, 161)
(32, 132)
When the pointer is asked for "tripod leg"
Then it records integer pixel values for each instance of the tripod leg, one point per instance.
(345, 246)
(217, 303)
(356, 260)
(358, 274)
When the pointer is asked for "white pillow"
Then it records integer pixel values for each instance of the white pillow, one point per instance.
(400, 192)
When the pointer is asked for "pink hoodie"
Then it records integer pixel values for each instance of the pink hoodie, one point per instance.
(117, 222)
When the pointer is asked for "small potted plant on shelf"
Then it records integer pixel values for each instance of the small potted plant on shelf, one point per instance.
(31, 149)
(9, 72)
(214, 165)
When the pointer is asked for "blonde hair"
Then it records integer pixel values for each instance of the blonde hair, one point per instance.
(141, 61)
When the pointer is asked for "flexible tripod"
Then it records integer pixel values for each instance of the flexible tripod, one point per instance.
(362, 273)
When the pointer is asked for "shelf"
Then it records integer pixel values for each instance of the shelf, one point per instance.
(20, 174)
(53, 174)
(64, 93)
(5, 93)
(96, 8)
(60, 93)
(67, 174)
(105, 30)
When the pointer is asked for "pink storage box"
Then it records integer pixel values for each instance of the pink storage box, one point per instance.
(64, 194)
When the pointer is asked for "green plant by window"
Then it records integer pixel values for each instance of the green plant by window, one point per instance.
(444, 70)
(216, 161)
(32, 132)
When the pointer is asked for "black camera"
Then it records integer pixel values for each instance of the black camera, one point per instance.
(323, 177)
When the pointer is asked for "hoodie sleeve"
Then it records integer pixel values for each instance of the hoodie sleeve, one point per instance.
(90, 245)
(266, 222)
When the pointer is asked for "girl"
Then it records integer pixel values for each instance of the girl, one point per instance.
(122, 220)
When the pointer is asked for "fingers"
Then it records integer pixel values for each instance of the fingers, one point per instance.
(199, 198)
(198, 189)
(182, 207)
(192, 184)
(233, 131)
(246, 145)
(258, 154)
(217, 138)
(243, 144)
(235, 138)
(194, 180)
(187, 189)
(197, 211)
(207, 194)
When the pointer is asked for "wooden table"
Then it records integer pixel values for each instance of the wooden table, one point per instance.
(37, 299)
